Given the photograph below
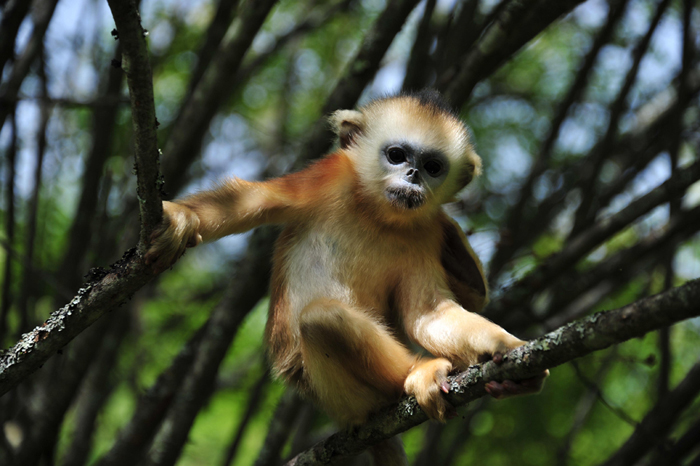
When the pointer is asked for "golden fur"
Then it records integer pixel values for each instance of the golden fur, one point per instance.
(355, 279)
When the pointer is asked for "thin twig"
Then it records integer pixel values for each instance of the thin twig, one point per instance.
(81, 230)
(506, 249)
(30, 237)
(582, 244)
(589, 174)
(43, 12)
(136, 64)
(211, 92)
(11, 157)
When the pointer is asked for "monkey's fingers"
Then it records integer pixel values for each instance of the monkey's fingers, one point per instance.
(164, 252)
(178, 231)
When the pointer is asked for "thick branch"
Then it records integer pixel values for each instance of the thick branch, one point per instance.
(571, 341)
(136, 436)
(110, 289)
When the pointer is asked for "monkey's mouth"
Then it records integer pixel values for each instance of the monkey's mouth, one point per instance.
(405, 197)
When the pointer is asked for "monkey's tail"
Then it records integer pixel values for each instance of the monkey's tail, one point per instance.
(389, 453)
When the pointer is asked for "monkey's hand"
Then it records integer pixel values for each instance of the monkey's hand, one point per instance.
(427, 381)
(508, 388)
(179, 230)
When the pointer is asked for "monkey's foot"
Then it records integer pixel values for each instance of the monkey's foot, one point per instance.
(508, 388)
(427, 382)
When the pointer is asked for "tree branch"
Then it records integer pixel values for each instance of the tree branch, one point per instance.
(213, 90)
(506, 249)
(43, 12)
(103, 129)
(106, 289)
(152, 406)
(219, 334)
(517, 23)
(137, 66)
(574, 340)
(605, 228)
(590, 171)
(110, 289)
(358, 73)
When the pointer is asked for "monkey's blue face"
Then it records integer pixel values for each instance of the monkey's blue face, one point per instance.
(412, 173)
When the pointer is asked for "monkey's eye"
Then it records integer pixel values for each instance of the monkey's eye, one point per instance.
(433, 167)
(396, 155)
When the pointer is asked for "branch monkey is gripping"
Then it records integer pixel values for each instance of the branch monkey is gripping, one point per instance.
(368, 262)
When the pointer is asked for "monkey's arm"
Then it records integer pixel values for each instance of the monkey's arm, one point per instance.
(237, 206)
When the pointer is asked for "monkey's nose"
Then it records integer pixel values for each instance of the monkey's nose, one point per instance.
(413, 176)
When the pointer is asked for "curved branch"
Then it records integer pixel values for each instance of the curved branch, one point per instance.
(516, 24)
(574, 340)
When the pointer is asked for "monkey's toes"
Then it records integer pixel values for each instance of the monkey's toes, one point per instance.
(508, 388)
(427, 382)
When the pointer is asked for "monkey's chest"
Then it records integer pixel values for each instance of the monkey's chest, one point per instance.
(352, 269)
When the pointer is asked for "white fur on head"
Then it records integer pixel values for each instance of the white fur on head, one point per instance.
(406, 118)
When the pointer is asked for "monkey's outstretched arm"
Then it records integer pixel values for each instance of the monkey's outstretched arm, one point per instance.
(237, 206)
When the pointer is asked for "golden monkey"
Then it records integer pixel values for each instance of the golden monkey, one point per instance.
(368, 263)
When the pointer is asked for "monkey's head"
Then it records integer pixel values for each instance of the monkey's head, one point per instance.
(411, 152)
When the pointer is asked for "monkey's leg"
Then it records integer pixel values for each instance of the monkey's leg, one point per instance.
(353, 364)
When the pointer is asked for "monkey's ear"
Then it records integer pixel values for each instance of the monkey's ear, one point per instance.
(469, 171)
(347, 124)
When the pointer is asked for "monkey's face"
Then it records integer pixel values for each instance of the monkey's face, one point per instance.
(411, 155)
(411, 173)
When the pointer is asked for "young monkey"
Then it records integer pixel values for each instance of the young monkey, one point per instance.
(368, 263)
